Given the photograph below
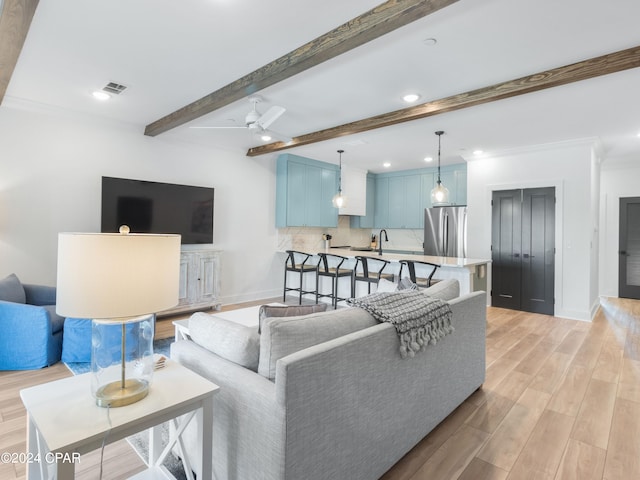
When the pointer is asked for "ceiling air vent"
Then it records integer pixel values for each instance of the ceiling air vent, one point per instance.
(114, 88)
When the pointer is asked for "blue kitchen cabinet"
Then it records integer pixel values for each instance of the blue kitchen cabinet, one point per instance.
(304, 190)
(381, 209)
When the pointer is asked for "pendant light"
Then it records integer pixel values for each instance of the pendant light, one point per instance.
(440, 193)
(338, 199)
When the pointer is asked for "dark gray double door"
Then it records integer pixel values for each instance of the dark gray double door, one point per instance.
(629, 252)
(523, 249)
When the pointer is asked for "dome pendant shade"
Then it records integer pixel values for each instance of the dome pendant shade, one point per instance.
(338, 199)
(440, 193)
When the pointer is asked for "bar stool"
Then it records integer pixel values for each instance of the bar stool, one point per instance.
(370, 275)
(329, 266)
(411, 266)
(292, 264)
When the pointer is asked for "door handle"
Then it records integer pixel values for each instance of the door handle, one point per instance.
(526, 255)
(623, 252)
(516, 255)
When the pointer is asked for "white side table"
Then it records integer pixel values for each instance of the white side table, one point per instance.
(63, 421)
(181, 329)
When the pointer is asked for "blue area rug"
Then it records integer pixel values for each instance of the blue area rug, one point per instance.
(159, 346)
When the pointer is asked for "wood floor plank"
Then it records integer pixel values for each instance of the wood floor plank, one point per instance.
(451, 459)
(629, 384)
(551, 372)
(568, 396)
(479, 469)
(623, 452)
(497, 371)
(572, 341)
(581, 462)
(609, 364)
(596, 412)
(536, 357)
(542, 454)
(508, 440)
(513, 385)
(488, 416)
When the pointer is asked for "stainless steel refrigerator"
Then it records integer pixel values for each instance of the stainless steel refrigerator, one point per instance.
(445, 231)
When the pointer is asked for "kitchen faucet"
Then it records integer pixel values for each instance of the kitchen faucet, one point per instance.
(386, 239)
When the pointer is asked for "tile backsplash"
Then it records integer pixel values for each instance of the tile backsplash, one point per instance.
(310, 238)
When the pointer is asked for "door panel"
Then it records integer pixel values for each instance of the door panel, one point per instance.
(629, 253)
(505, 249)
(538, 234)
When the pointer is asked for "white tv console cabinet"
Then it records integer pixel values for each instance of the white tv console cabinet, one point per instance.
(199, 280)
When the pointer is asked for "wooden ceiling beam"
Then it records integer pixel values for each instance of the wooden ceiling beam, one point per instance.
(376, 22)
(594, 67)
(15, 20)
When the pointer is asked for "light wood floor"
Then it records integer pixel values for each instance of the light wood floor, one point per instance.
(561, 401)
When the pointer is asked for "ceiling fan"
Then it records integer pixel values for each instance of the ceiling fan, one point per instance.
(259, 123)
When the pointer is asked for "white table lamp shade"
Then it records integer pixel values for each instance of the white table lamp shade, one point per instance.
(111, 275)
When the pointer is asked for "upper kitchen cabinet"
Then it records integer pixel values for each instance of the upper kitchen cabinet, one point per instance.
(366, 221)
(304, 189)
(398, 200)
(354, 189)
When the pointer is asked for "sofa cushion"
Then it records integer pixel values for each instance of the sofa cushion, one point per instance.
(11, 290)
(234, 342)
(286, 335)
(444, 290)
(268, 311)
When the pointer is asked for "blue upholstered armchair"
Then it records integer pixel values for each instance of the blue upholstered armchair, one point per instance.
(31, 331)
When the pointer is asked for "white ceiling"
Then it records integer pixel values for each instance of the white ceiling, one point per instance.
(170, 53)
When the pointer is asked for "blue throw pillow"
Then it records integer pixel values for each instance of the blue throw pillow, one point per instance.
(11, 290)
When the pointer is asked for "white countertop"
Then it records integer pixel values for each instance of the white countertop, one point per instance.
(454, 262)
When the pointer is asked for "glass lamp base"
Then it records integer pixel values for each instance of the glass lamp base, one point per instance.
(114, 395)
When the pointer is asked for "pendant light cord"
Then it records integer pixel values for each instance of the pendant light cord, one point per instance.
(439, 133)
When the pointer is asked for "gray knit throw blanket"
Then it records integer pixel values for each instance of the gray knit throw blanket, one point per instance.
(419, 320)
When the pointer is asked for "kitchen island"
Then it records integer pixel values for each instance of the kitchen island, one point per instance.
(470, 273)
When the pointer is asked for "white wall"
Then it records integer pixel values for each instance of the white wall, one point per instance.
(618, 181)
(51, 166)
(568, 168)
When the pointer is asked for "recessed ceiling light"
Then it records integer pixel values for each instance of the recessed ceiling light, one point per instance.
(428, 159)
(265, 137)
(100, 95)
(411, 97)
(430, 42)
(478, 152)
(386, 164)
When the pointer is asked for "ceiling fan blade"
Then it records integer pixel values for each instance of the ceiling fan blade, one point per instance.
(270, 116)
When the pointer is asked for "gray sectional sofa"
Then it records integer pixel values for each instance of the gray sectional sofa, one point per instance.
(330, 397)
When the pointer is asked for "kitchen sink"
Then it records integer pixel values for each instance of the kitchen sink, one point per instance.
(362, 249)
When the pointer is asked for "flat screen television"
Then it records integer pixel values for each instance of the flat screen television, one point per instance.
(154, 207)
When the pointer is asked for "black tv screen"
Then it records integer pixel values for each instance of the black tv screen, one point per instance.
(154, 207)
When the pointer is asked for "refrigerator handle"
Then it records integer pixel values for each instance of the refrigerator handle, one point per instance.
(464, 233)
(445, 236)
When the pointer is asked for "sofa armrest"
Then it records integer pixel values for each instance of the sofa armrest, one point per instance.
(28, 340)
(40, 294)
